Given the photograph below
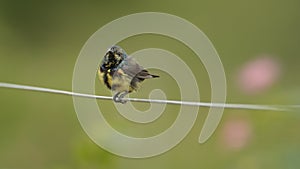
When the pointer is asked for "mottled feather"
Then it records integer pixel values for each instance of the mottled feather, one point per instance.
(121, 73)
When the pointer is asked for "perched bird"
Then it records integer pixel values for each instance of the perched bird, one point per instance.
(121, 73)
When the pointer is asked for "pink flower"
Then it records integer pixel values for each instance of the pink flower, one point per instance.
(258, 75)
(236, 133)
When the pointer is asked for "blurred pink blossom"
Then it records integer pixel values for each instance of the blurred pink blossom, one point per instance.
(258, 75)
(236, 133)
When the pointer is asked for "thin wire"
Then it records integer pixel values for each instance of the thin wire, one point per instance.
(175, 102)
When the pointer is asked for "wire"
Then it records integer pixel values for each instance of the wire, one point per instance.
(175, 102)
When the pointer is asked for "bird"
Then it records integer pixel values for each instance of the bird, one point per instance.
(121, 73)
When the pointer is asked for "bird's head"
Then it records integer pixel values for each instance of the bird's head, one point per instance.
(113, 57)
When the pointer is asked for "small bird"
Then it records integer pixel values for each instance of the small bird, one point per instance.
(121, 73)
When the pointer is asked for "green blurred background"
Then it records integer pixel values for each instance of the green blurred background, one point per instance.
(39, 44)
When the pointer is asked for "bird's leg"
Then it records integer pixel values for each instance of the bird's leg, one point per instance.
(121, 96)
(116, 97)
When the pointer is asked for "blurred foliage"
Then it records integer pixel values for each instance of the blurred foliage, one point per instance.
(39, 44)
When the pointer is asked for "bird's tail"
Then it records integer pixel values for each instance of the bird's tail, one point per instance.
(144, 74)
(154, 76)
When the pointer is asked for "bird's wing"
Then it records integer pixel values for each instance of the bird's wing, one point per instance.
(130, 67)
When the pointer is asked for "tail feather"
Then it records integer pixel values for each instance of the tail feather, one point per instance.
(144, 74)
(154, 76)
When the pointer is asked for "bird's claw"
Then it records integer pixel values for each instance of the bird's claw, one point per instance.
(118, 98)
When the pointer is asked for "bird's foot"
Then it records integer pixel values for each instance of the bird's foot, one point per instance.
(118, 97)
